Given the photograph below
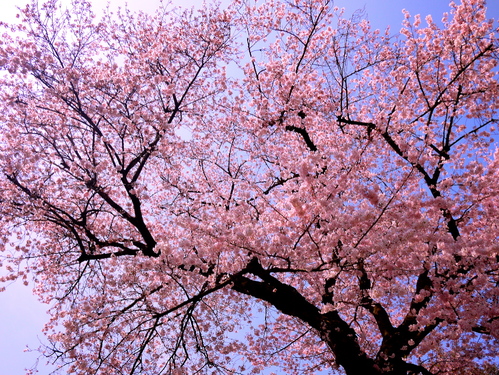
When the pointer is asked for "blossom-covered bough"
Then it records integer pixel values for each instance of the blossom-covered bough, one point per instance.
(266, 186)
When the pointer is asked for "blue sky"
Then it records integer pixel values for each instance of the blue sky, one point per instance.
(21, 316)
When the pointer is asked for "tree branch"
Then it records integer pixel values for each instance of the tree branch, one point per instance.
(306, 137)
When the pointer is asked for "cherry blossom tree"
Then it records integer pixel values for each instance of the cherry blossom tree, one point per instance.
(268, 186)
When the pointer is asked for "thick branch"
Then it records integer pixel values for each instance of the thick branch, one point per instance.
(431, 181)
(335, 332)
(306, 137)
(375, 308)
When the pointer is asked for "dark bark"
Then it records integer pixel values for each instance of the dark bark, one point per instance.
(338, 335)
(306, 137)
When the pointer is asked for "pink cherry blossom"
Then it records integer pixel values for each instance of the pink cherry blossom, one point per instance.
(225, 191)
